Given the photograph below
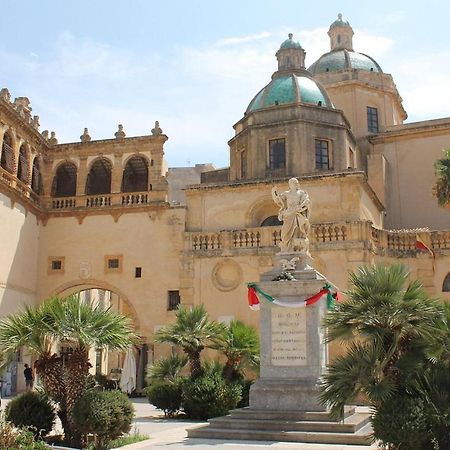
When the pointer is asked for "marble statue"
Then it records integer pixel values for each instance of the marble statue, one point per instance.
(294, 212)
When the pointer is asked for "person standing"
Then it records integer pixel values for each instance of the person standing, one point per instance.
(29, 378)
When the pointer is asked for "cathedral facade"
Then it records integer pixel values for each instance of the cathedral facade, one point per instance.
(108, 218)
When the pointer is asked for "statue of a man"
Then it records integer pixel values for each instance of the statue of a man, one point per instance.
(294, 212)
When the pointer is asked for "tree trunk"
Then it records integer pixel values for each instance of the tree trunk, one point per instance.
(195, 364)
(50, 371)
(76, 372)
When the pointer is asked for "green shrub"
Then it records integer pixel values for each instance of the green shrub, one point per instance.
(165, 396)
(400, 423)
(209, 396)
(33, 411)
(105, 414)
(12, 438)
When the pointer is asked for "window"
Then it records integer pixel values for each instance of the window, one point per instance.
(372, 119)
(55, 264)
(351, 159)
(271, 221)
(322, 155)
(243, 164)
(113, 263)
(277, 154)
(446, 284)
(138, 272)
(174, 300)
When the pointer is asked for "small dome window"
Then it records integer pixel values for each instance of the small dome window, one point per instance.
(271, 221)
(446, 283)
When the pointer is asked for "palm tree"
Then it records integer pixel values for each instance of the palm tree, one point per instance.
(193, 331)
(166, 369)
(442, 186)
(387, 324)
(75, 323)
(240, 345)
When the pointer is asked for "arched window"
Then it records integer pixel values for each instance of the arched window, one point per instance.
(7, 158)
(65, 180)
(135, 175)
(271, 221)
(22, 165)
(99, 177)
(36, 177)
(446, 283)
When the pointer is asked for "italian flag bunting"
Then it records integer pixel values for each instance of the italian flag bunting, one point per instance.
(255, 293)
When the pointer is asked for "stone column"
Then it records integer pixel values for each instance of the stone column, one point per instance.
(116, 176)
(82, 174)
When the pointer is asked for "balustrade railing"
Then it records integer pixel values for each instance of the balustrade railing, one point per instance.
(321, 235)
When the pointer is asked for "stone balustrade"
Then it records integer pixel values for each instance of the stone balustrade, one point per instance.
(105, 200)
(12, 182)
(322, 235)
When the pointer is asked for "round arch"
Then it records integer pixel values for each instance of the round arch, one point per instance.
(23, 163)
(65, 179)
(72, 287)
(99, 176)
(7, 152)
(259, 211)
(135, 174)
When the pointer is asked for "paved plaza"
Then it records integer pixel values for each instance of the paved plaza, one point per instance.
(171, 434)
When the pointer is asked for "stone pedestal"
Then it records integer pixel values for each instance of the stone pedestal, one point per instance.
(293, 353)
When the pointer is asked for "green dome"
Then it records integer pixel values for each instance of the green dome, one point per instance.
(344, 60)
(290, 43)
(288, 89)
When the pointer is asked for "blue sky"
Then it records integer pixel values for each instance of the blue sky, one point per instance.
(195, 65)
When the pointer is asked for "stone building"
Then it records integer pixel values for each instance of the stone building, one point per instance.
(109, 219)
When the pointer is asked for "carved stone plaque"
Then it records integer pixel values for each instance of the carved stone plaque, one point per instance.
(288, 336)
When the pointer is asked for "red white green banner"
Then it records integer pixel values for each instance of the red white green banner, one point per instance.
(255, 294)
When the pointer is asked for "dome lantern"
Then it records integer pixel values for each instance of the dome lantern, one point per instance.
(341, 35)
(290, 55)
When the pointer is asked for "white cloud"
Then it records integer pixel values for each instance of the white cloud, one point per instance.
(197, 93)
(242, 39)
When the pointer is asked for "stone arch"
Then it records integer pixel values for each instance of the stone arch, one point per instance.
(72, 287)
(23, 163)
(65, 180)
(99, 177)
(36, 176)
(135, 174)
(7, 156)
(259, 211)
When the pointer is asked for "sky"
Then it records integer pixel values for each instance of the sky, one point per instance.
(195, 65)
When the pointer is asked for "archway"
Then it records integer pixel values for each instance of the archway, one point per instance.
(23, 164)
(7, 156)
(108, 365)
(65, 180)
(135, 175)
(36, 177)
(99, 177)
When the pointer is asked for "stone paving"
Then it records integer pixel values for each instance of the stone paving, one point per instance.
(171, 433)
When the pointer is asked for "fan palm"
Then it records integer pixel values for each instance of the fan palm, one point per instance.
(442, 185)
(192, 331)
(240, 345)
(166, 369)
(387, 323)
(73, 322)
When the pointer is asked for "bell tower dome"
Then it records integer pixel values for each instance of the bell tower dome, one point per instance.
(341, 35)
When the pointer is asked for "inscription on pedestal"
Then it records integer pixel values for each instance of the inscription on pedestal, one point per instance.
(288, 336)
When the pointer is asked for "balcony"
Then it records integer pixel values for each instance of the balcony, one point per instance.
(358, 234)
(103, 201)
